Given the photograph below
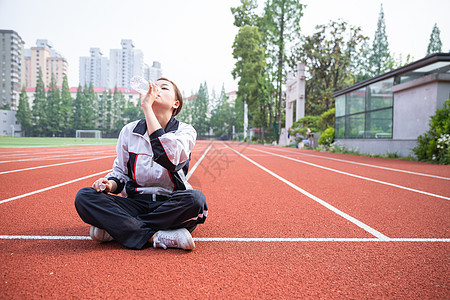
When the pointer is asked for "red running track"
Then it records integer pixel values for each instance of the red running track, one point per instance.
(282, 223)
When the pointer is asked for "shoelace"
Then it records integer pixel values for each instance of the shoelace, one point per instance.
(164, 241)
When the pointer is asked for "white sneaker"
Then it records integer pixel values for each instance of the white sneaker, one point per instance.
(100, 235)
(178, 238)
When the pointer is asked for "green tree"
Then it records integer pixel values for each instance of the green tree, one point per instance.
(380, 60)
(101, 111)
(23, 114)
(199, 110)
(133, 111)
(84, 116)
(108, 113)
(245, 14)
(118, 109)
(90, 108)
(280, 27)
(222, 117)
(78, 106)
(53, 110)
(38, 111)
(66, 109)
(326, 119)
(250, 69)
(435, 44)
(328, 57)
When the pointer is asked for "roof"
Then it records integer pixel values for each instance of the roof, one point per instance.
(409, 68)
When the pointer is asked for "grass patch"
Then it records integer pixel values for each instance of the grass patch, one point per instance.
(17, 142)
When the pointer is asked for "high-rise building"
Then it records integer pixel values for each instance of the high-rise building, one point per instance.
(125, 63)
(95, 69)
(11, 64)
(154, 72)
(45, 58)
(116, 71)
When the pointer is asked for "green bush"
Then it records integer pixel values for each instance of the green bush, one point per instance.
(327, 137)
(326, 119)
(300, 126)
(434, 145)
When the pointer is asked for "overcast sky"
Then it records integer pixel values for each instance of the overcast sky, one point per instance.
(193, 38)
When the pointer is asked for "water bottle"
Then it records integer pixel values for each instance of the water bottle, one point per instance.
(140, 85)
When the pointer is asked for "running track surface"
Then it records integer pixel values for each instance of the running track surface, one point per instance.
(282, 222)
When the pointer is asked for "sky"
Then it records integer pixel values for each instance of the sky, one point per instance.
(192, 39)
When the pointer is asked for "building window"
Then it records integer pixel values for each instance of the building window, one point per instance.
(379, 124)
(365, 113)
(356, 101)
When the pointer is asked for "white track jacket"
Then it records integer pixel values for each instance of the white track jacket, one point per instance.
(155, 164)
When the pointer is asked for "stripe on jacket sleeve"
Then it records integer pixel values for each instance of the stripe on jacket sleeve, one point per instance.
(159, 153)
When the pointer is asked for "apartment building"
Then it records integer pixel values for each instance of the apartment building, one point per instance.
(11, 64)
(94, 68)
(125, 63)
(154, 72)
(122, 65)
(49, 61)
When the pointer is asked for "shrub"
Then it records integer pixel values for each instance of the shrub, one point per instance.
(300, 126)
(327, 138)
(434, 145)
(326, 119)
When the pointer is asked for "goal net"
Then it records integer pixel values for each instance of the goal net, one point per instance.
(93, 134)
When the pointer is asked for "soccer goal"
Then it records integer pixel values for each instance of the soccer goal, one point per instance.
(92, 134)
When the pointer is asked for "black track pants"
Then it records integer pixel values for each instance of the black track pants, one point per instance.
(133, 221)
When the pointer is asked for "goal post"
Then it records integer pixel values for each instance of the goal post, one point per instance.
(93, 134)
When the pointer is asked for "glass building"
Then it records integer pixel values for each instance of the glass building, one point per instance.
(388, 112)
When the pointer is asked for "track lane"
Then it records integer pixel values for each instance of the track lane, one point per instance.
(51, 212)
(31, 180)
(242, 212)
(394, 212)
(439, 186)
(408, 166)
(52, 268)
(65, 269)
(243, 195)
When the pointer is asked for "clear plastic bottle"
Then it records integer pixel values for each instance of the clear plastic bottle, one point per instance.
(102, 187)
(140, 85)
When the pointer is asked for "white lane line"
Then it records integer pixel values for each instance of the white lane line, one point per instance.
(366, 165)
(53, 186)
(356, 176)
(43, 237)
(55, 157)
(55, 165)
(189, 174)
(231, 239)
(349, 218)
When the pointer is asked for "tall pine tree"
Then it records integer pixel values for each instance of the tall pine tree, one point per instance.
(66, 109)
(38, 111)
(78, 105)
(435, 44)
(380, 60)
(53, 110)
(200, 110)
(23, 114)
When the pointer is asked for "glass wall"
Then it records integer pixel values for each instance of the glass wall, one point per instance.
(366, 112)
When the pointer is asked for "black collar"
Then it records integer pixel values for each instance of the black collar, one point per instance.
(141, 126)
